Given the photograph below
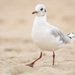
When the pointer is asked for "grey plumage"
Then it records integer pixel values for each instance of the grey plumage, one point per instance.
(62, 37)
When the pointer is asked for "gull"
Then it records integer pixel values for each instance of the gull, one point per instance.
(46, 36)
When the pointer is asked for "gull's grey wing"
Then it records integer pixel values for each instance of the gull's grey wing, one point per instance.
(57, 33)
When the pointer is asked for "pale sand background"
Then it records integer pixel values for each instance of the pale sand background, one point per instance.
(16, 46)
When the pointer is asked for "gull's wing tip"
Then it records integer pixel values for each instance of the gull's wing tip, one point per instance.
(71, 35)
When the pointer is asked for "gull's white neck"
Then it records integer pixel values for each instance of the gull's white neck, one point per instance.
(40, 19)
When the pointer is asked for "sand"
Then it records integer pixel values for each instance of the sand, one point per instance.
(16, 46)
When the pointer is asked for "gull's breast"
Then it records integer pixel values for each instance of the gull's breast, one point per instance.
(43, 39)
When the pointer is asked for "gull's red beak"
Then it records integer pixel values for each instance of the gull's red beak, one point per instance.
(35, 12)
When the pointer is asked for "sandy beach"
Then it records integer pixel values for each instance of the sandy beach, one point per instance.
(16, 46)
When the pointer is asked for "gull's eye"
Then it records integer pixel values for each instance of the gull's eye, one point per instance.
(41, 9)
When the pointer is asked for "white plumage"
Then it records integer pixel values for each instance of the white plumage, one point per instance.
(46, 36)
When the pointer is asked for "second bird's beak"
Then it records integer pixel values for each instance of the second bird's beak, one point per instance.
(35, 12)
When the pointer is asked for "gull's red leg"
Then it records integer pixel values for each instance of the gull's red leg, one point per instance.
(31, 64)
(53, 57)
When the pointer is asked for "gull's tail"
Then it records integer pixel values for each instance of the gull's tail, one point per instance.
(71, 35)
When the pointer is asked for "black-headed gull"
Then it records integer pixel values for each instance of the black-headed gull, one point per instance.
(46, 36)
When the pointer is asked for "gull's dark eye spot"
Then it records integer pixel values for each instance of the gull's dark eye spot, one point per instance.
(45, 10)
(41, 9)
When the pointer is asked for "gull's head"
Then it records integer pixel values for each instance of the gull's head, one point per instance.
(40, 10)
